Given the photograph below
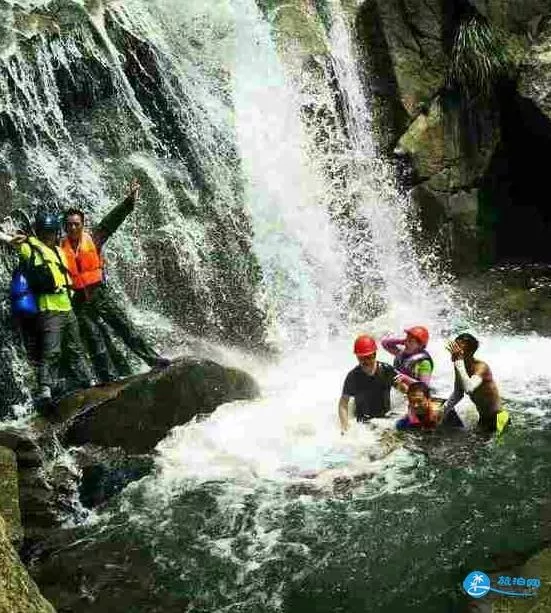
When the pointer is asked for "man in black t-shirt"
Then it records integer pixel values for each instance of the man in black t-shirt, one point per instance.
(369, 383)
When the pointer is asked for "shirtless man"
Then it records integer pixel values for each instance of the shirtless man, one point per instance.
(474, 378)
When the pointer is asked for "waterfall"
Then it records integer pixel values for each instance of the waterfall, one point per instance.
(91, 96)
(268, 214)
(301, 259)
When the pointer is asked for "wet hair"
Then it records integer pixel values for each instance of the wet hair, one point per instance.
(419, 386)
(470, 342)
(73, 211)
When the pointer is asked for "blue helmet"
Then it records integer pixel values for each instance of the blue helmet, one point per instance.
(47, 222)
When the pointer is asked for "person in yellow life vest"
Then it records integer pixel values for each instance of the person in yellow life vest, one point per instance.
(92, 299)
(58, 333)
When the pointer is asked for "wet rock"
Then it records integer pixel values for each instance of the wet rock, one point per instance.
(538, 567)
(18, 592)
(23, 444)
(106, 472)
(535, 79)
(410, 46)
(9, 495)
(139, 412)
(40, 502)
(78, 571)
(510, 14)
(517, 298)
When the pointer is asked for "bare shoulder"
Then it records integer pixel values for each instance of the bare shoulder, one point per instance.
(481, 368)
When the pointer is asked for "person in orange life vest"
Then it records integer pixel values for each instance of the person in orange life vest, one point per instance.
(92, 299)
(421, 411)
(412, 360)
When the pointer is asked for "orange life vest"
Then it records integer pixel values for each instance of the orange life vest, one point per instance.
(86, 264)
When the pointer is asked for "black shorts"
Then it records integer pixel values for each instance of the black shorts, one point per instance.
(488, 423)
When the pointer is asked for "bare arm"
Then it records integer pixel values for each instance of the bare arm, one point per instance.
(457, 394)
(343, 413)
(402, 382)
(472, 382)
(392, 345)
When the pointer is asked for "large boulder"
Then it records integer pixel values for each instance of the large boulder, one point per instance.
(140, 411)
(407, 38)
(18, 592)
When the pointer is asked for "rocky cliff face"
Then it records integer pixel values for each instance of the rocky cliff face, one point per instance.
(93, 94)
(475, 152)
(18, 592)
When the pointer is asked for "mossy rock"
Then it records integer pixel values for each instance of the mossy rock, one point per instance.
(18, 592)
(426, 144)
(9, 494)
(139, 412)
(537, 567)
(297, 25)
(412, 40)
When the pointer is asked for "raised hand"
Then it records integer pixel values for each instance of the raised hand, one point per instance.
(455, 350)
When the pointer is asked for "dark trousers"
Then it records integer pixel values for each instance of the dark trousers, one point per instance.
(27, 327)
(96, 305)
(59, 335)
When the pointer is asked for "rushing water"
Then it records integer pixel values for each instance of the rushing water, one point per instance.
(264, 506)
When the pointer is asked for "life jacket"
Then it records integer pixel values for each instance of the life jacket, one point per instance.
(45, 270)
(406, 363)
(23, 301)
(86, 264)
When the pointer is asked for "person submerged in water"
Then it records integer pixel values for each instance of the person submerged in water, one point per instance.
(474, 378)
(423, 412)
(412, 360)
(368, 383)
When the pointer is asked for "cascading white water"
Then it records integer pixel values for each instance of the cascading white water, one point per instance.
(381, 208)
(299, 253)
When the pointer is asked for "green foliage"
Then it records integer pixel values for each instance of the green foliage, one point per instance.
(480, 59)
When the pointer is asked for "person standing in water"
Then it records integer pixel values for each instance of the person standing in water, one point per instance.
(474, 378)
(368, 383)
(92, 299)
(412, 360)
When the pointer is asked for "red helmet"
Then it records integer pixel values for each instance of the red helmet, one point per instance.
(419, 333)
(365, 345)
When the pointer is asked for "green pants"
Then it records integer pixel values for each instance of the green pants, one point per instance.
(92, 310)
(59, 337)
